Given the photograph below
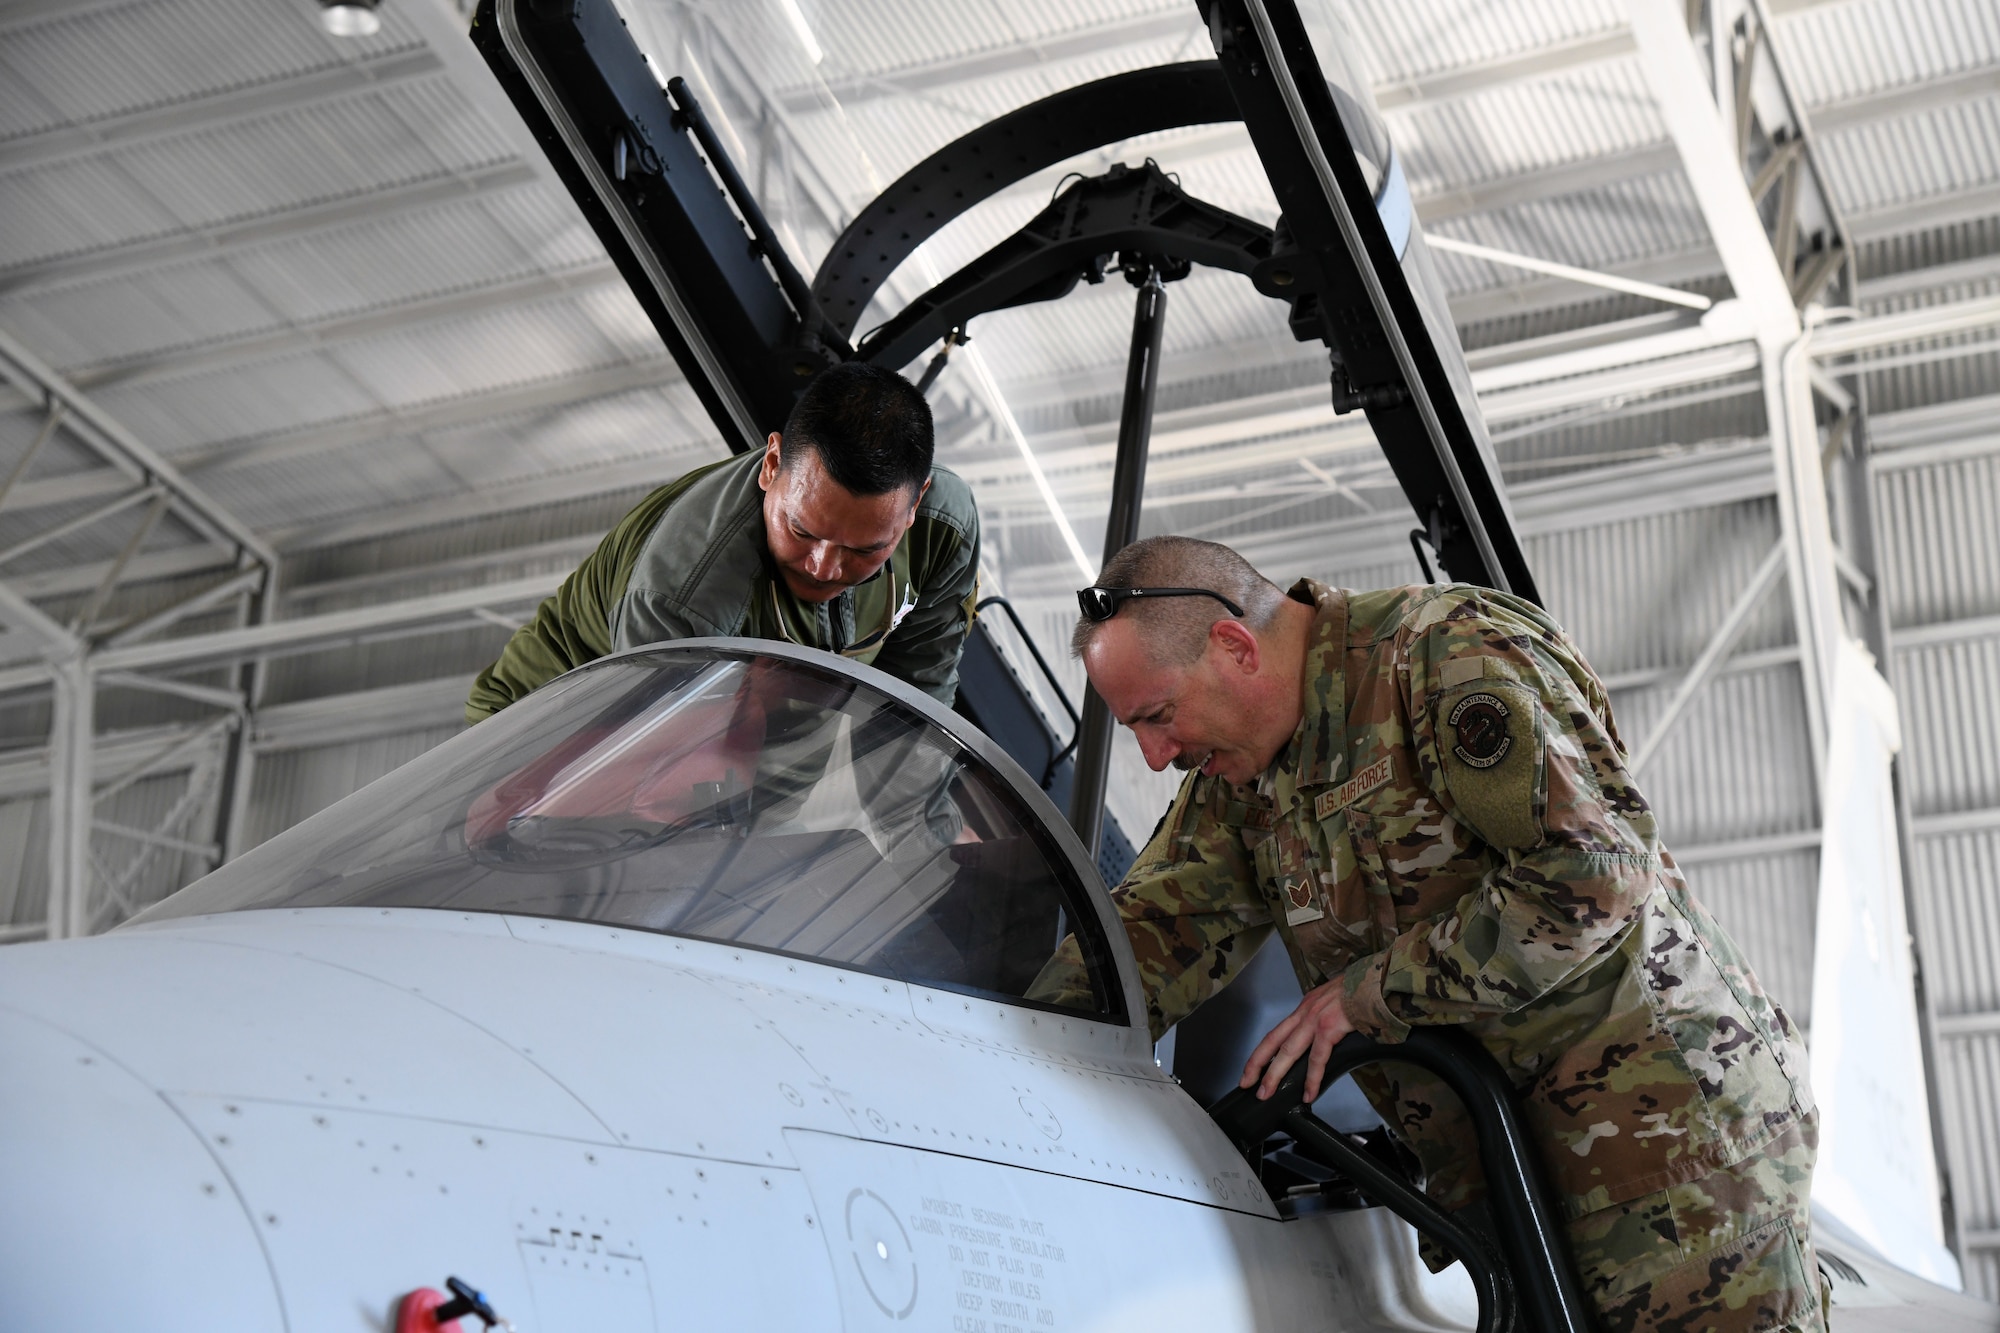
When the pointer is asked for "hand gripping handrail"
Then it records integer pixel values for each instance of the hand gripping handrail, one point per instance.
(1519, 1265)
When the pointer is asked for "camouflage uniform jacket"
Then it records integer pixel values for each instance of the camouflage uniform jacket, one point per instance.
(690, 560)
(1453, 833)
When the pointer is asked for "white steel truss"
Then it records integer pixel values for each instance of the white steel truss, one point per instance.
(84, 892)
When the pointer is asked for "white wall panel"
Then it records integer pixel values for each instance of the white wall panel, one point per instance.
(1939, 529)
(290, 785)
(1958, 894)
(1969, 1072)
(1950, 697)
(1767, 903)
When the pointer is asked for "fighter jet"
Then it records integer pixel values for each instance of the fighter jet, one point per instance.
(699, 989)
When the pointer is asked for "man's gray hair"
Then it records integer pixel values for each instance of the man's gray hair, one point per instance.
(1176, 628)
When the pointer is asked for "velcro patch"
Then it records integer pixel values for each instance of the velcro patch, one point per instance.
(1368, 779)
(1459, 670)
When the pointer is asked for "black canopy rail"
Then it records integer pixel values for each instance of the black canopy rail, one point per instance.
(765, 240)
(1518, 1261)
(671, 209)
(1048, 674)
(1140, 213)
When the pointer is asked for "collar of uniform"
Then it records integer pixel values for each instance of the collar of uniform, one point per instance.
(1318, 750)
(864, 613)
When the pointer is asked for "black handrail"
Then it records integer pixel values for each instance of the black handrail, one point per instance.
(1521, 1268)
(1048, 674)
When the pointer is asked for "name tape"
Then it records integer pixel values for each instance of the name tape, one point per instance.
(1368, 779)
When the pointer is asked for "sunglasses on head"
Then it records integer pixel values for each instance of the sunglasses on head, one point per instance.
(1103, 603)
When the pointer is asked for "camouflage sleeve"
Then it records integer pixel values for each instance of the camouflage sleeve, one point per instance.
(1190, 908)
(1512, 735)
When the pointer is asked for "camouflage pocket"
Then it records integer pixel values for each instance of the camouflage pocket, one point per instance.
(1621, 1105)
(1759, 1283)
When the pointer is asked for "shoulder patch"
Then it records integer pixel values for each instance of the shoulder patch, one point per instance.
(1479, 732)
(1490, 744)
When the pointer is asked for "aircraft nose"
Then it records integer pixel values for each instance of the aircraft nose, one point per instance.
(75, 1126)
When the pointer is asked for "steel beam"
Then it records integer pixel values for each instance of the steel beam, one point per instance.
(338, 330)
(251, 580)
(122, 450)
(226, 106)
(444, 414)
(1712, 655)
(71, 749)
(218, 240)
(282, 637)
(1674, 74)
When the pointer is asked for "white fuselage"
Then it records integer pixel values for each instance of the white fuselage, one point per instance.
(290, 1118)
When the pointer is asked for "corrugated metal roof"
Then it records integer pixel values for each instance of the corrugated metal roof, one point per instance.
(1918, 156)
(116, 60)
(1950, 695)
(1939, 532)
(1408, 41)
(1606, 228)
(1736, 766)
(1648, 593)
(1969, 1072)
(1838, 51)
(1592, 112)
(1960, 912)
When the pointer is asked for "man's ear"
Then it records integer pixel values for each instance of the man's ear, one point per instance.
(768, 471)
(918, 498)
(1237, 643)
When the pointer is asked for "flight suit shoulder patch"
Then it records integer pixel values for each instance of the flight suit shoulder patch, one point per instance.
(1489, 744)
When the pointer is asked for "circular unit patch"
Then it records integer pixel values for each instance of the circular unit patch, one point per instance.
(1479, 730)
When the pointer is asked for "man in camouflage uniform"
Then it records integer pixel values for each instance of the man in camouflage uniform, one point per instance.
(1422, 792)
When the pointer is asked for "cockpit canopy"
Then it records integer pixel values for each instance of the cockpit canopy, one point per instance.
(714, 791)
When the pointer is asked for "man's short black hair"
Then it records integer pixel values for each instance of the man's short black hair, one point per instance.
(869, 426)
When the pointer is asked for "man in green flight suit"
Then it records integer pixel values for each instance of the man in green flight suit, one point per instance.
(839, 535)
(1422, 793)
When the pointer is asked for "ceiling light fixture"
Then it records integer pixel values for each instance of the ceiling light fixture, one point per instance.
(797, 18)
(350, 18)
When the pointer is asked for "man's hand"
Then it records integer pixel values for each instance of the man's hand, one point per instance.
(1317, 1024)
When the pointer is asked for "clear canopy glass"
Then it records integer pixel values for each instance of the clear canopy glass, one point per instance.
(824, 103)
(716, 793)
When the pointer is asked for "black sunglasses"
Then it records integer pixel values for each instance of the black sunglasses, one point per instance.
(1102, 603)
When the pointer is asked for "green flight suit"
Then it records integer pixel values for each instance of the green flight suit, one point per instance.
(1452, 831)
(690, 561)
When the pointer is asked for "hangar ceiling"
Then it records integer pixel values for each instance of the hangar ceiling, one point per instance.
(333, 283)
